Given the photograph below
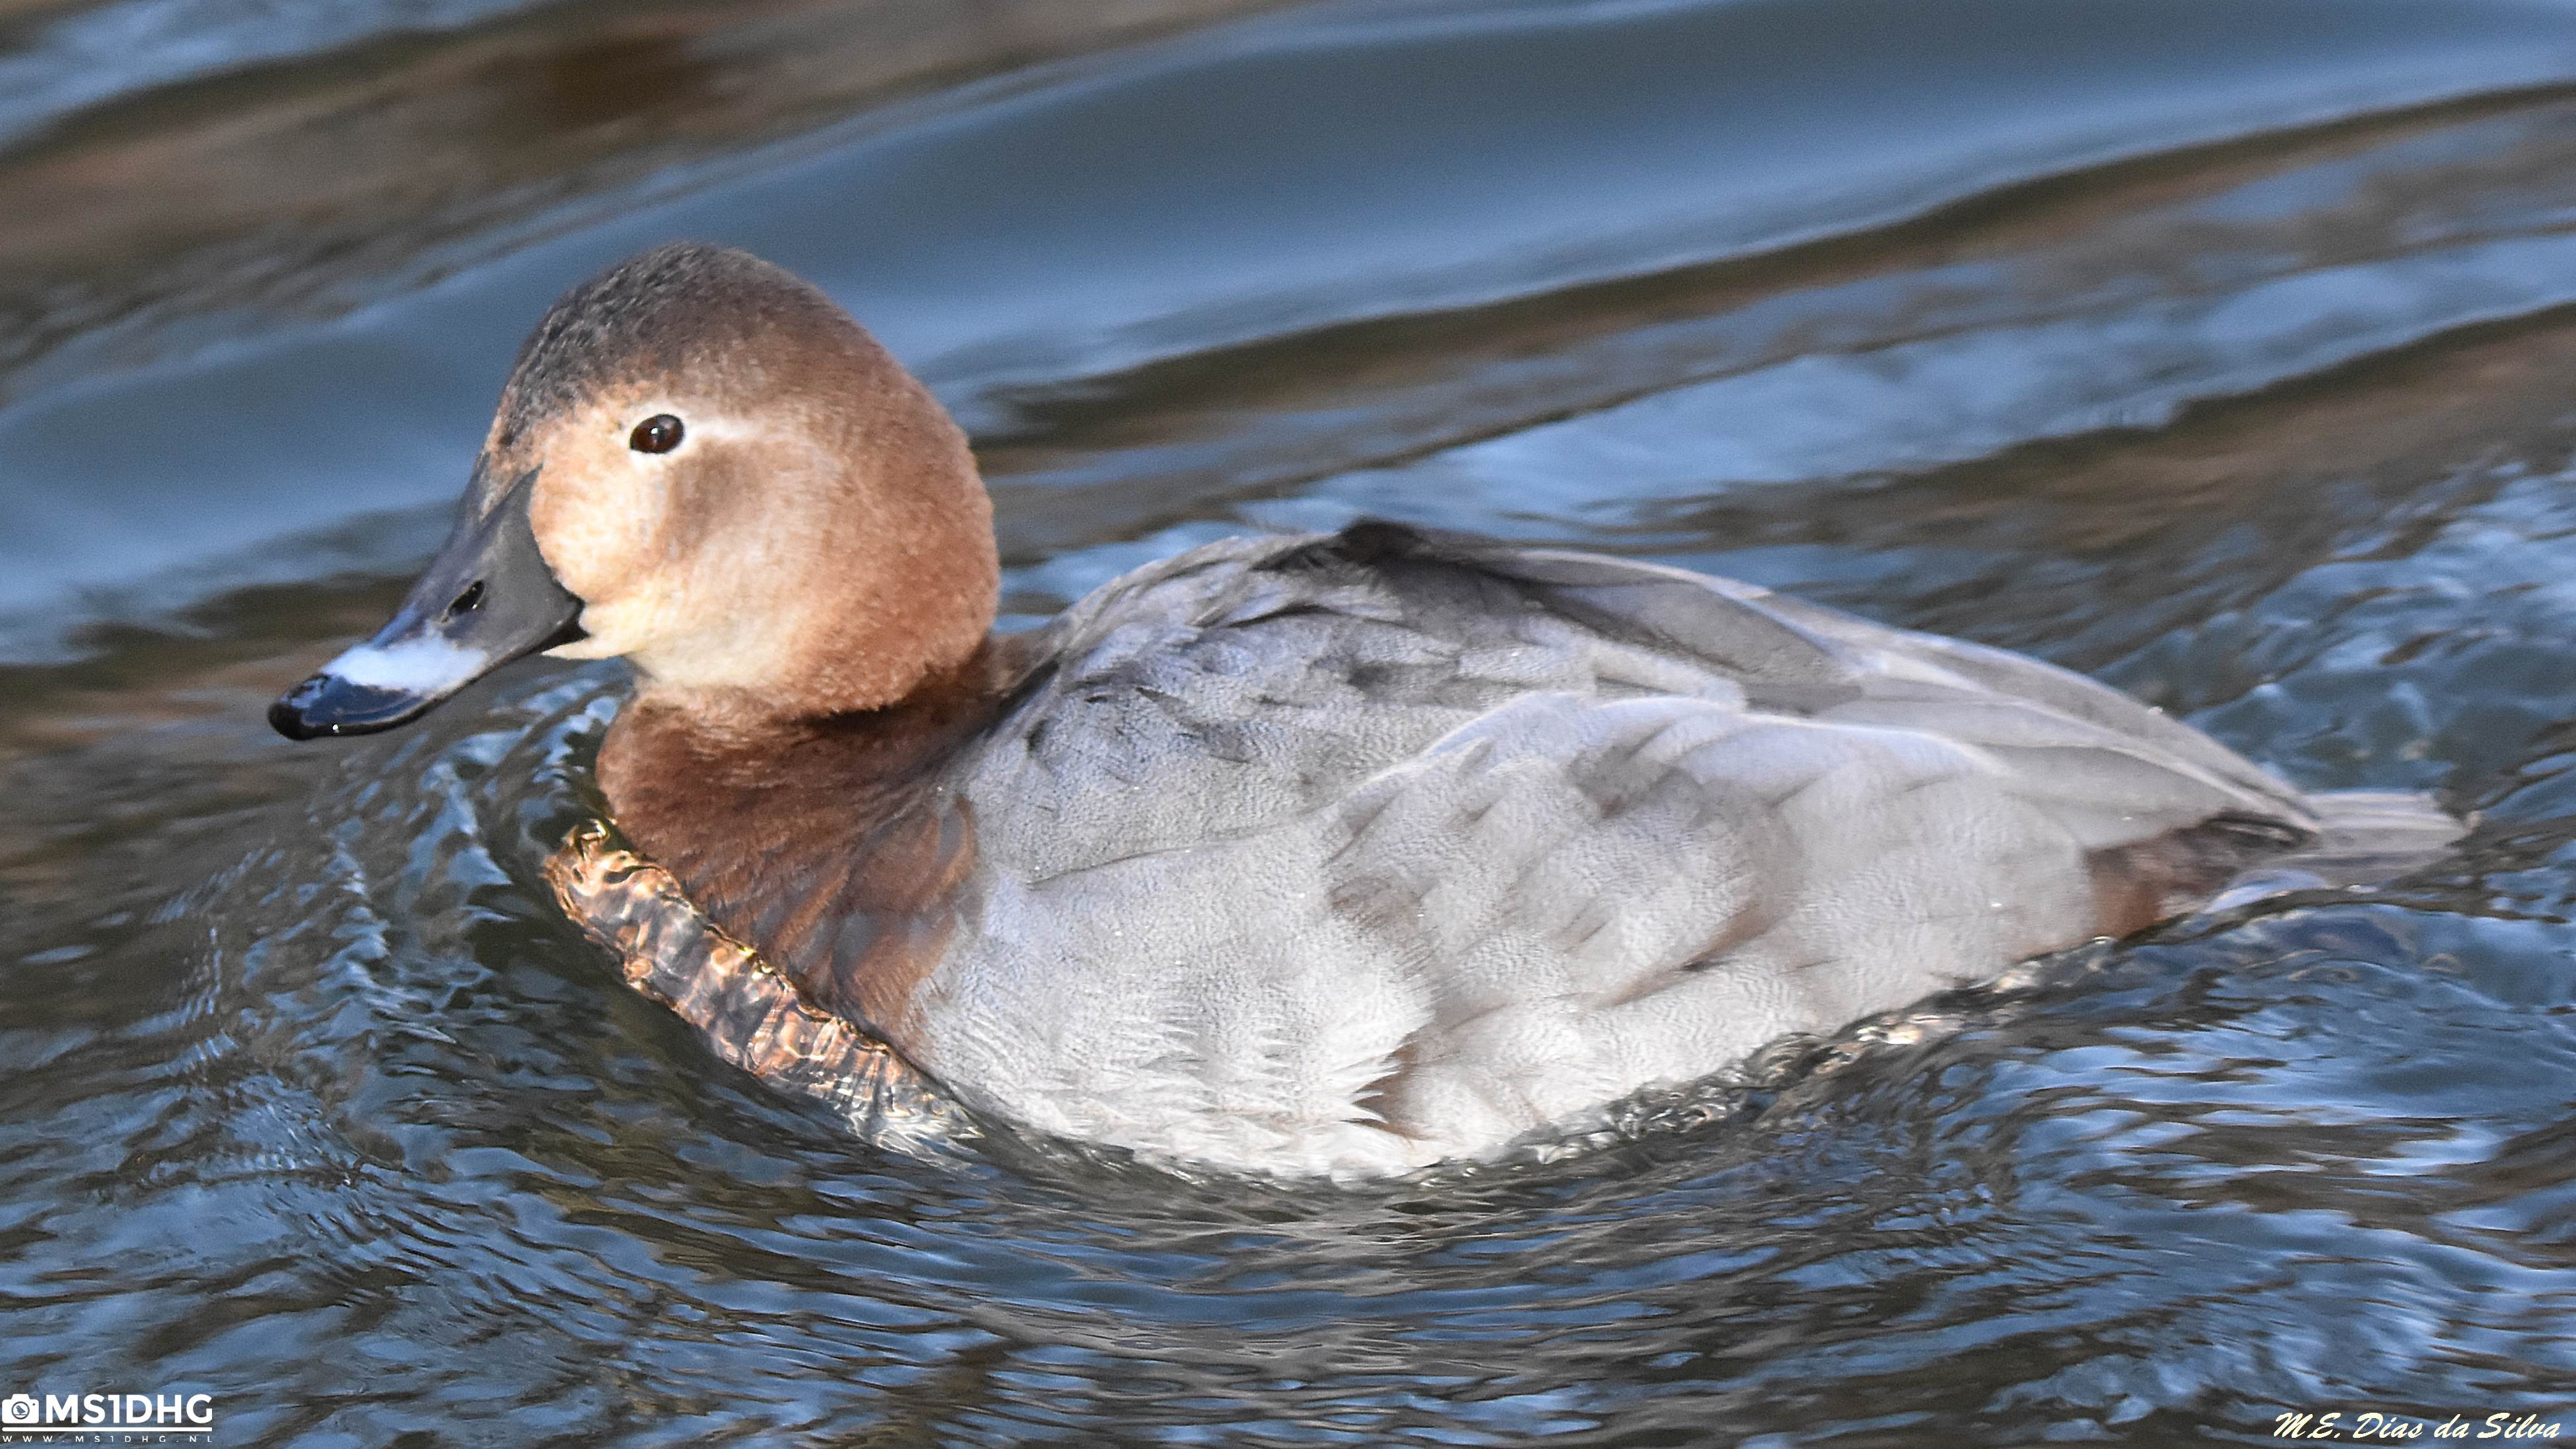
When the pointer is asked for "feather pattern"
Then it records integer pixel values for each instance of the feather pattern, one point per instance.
(1347, 854)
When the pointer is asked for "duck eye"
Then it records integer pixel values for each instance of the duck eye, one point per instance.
(659, 433)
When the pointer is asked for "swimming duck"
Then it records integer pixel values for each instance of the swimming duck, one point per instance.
(1328, 854)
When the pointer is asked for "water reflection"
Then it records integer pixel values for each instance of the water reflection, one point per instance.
(173, 164)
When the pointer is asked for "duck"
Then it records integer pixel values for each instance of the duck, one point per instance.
(1314, 855)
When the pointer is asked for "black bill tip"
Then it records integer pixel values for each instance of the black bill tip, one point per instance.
(486, 599)
(327, 705)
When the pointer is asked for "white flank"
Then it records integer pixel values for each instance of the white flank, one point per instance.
(417, 666)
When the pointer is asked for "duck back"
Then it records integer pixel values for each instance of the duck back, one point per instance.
(1347, 854)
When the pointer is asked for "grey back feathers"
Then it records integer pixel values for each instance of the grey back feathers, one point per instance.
(1349, 854)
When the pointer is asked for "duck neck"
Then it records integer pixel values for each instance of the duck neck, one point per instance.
(669, 750)
(863, 629)
(831, 844)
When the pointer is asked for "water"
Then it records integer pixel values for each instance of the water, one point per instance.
(2227, 351)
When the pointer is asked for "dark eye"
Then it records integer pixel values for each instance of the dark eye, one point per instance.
(659, 433)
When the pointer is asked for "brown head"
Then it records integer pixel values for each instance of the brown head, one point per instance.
(702, 464)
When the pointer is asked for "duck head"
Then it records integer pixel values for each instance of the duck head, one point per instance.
(702, 464)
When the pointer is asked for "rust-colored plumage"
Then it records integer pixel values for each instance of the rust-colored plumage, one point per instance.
(828, 843)
(671, 952)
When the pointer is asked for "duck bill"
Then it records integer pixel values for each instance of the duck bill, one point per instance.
(486, 599)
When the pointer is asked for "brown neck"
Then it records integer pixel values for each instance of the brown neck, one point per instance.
(915, 563)
(906, 623)
(831, 844)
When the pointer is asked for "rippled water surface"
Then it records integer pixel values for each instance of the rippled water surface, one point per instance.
(2225, 349)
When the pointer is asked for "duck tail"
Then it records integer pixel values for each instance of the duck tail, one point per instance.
(2364, 838)
(2370, 836)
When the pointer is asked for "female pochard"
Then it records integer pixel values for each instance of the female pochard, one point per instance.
(1322, 854)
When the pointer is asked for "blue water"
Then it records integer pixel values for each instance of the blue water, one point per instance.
(2224, 350)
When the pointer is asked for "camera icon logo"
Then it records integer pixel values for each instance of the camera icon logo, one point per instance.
(18, 1409)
